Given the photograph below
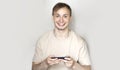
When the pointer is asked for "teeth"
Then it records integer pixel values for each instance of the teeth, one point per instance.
(61, 24)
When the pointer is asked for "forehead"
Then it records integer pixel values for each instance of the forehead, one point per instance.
(63, 10)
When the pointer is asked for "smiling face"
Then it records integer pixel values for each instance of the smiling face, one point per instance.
(62, 18)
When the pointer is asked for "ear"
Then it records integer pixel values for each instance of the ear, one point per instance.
(53, 17)
(70, 18)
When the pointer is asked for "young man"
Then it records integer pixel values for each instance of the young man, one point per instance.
(61, 48)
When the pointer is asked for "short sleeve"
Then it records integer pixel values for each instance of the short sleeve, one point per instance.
(84, 58)
(38, 53)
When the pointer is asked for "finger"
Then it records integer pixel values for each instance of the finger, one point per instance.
(54, 62)
(66, 61)
(68, 58)
(53, 58)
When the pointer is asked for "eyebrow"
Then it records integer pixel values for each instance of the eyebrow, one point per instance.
(64, 14)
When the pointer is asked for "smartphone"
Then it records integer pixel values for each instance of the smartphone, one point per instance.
(58, 57)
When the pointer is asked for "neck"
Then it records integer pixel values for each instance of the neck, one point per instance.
(61, 33)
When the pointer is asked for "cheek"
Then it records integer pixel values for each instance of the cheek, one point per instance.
(67, 20)
(56, 19)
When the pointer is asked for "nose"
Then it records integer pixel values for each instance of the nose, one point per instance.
(61, 19)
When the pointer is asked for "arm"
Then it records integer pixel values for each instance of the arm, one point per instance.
(39, 66)
(70, 63)
(83, 58)
(44, 65)
(77, 66)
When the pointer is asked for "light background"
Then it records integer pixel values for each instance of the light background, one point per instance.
(23, 21)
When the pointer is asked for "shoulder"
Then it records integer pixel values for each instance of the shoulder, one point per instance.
(77, 36)
(45, 36)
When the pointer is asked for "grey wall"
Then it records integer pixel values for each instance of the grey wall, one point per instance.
(23, 21)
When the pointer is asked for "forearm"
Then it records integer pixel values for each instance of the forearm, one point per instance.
(39, 66)
(77, 66)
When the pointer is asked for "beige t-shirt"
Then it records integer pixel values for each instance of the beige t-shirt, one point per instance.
(73, 46)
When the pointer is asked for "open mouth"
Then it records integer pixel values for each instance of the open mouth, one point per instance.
(61, 24)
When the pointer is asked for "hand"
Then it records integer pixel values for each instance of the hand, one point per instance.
(51, 61)
(69, 62)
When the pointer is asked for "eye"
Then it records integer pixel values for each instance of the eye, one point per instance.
(65, 16)
(57, 16)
